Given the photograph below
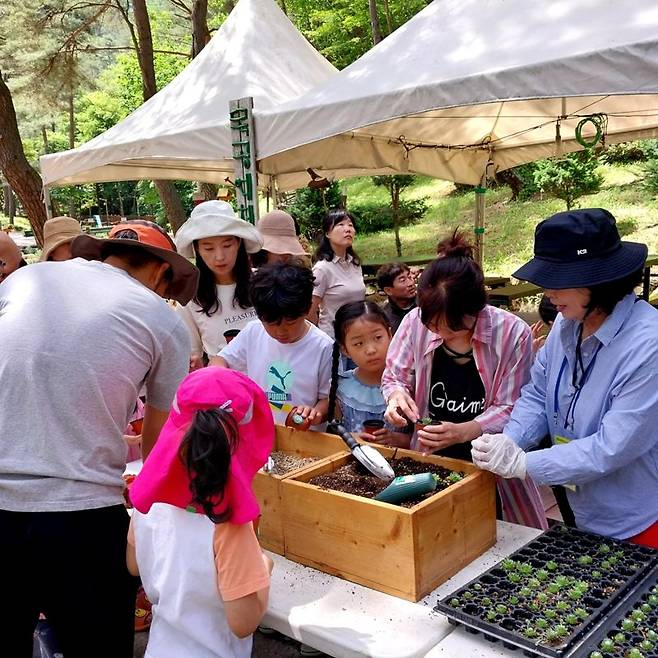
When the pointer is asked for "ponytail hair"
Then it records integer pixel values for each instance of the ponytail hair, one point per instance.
(335, 360)
(206, 452)
(345, 316)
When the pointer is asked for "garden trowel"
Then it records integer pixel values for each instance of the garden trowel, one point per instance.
(367, 456)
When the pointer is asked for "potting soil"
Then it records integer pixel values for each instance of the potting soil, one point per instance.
(353, 478)
(285, 462)
(631, 629)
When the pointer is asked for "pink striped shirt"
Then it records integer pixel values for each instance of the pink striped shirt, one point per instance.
(502, 349)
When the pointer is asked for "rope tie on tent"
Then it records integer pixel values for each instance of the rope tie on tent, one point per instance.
(600, 123)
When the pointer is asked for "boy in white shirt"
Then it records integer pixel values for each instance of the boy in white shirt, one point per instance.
(285, 354)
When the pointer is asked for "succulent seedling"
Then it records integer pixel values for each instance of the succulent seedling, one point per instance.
(607, 645)
(585, 559)
(551, 565)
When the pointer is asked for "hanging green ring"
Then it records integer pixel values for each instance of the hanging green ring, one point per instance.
(596, 122)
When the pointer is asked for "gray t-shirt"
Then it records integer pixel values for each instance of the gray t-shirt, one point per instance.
(77, 341)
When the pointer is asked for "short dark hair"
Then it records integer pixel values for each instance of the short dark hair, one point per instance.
(452, 285)
(606, 296)
(282, 291)
(387, 274)
(547, 310)
(325, 251)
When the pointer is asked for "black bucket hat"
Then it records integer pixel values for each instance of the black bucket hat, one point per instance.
(579, 249)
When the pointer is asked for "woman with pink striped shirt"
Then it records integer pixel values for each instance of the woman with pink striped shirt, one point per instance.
(460, 363)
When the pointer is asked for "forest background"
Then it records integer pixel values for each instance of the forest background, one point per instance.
(71, 69)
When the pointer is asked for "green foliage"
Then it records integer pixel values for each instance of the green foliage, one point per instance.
(340, 29)
(309, 206)
(650, 176)
(526, 175)
(373, 217)
(570, 177)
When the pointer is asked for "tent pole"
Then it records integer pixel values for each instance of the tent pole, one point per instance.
(275, 196)
(478, 229)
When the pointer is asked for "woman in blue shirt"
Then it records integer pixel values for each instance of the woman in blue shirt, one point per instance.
(594, 385)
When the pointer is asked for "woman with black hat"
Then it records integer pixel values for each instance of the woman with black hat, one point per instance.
(594, 385)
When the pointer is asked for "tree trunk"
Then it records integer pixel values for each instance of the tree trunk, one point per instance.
(374, 22)
(145, 50)
(73, 211)
(22, 178)
(173, 205)
(44, 136)
(395, 203)
(200, 32)
(389, 20)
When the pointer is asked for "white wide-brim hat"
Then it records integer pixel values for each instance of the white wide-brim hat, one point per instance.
(213, 219)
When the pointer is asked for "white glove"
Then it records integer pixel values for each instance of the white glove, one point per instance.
(500, 455)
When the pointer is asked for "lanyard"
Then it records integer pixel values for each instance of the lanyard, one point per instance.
(578, 388)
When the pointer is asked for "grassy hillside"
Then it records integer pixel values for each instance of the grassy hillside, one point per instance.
(509, 226)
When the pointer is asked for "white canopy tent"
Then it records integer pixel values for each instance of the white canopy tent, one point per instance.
(183, 131)
(471, 83)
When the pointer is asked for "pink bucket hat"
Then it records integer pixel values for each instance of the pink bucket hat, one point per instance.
(164, 478)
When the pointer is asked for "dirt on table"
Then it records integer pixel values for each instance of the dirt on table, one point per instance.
(353, 478)
(285, 462)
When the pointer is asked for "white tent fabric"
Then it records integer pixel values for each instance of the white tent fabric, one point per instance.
(183, 131)
(467, 82)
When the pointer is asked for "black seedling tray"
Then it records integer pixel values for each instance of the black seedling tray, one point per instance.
(559, 585)
(626, 631)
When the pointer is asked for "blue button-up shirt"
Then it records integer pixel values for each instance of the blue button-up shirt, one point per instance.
(612, 429)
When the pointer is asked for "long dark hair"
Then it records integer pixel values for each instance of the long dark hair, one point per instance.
(206, 293)
(325, 250)
(206, 452)
(452, 285)
(345, 316)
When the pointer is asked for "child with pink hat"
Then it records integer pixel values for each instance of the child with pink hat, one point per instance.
(191, 538)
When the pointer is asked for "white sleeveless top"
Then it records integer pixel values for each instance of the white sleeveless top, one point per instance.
(177, 567)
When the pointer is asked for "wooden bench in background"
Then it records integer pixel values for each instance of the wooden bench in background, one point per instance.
(505, 295)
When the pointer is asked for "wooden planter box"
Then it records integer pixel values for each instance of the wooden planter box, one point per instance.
(267, 487)
(406, 552)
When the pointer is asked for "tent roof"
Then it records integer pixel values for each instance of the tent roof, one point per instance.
(465, 82)
(183, 131)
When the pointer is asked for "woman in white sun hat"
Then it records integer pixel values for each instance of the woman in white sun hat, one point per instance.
(220, 241)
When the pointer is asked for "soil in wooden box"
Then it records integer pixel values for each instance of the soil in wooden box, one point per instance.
(286, 463)
(406, 552)
(294, 451)
(354, 478)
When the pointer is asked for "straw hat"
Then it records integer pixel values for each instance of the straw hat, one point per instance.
(279, 236)
(58, 231)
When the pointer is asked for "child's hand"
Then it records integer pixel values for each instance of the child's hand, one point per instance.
(310, 413)
(132, 439)
(385, 437)
(538, 336)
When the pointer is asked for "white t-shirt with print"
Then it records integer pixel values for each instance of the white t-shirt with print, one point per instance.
(207, 333)
(291, 374)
